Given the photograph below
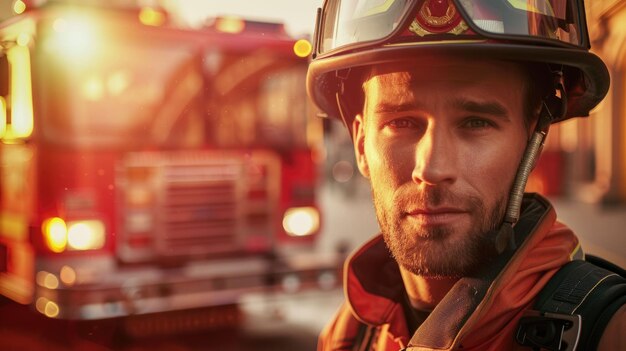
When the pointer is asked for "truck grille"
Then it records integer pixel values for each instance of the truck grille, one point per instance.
(199, 212)
(200, 204)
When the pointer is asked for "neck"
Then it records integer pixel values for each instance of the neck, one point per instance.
(425, 292)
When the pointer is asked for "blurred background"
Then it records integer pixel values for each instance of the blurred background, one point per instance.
(165, 184)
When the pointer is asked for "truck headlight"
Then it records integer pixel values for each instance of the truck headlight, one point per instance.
(85, 235)
(74, 235)
(301, 221)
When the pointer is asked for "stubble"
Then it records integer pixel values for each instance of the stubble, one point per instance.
(432, 251)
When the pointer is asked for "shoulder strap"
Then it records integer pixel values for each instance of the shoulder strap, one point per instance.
(573, 309)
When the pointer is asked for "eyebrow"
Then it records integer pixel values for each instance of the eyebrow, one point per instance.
(382, 107)
(492, 108)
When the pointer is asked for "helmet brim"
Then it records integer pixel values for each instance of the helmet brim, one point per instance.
(586, 76)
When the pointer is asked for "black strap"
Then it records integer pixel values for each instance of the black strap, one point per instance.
(569, 288)
(601, 262)
(573, 309)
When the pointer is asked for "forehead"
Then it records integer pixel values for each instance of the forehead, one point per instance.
(500, 80)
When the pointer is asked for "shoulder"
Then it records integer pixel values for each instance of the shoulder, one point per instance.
(614, 337)
(342, 331)
(606, 302)
(598, 290)
(594, 293)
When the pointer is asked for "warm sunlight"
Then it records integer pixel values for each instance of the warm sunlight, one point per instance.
(298, 16)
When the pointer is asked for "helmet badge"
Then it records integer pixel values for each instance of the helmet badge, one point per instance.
(438, 17)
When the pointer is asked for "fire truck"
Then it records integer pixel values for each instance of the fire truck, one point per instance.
(147, 168)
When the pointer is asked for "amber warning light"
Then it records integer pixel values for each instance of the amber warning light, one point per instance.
(230, 25)
(302, 48)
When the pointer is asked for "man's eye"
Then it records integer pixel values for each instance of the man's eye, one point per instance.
(401, 123)
(476, 123)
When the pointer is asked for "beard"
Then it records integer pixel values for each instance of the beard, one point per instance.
(438, 251)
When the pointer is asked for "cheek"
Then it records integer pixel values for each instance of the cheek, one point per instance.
(389, 164)
(376, 160)
(491, 171)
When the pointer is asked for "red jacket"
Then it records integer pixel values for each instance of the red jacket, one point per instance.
(374, 291)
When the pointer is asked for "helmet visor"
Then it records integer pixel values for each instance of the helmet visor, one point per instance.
(345, 23)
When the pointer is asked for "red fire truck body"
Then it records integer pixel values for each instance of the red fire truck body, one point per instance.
(146, 168)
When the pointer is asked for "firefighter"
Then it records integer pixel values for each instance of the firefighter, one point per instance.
(448, 103)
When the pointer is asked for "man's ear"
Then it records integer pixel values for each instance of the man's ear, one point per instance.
(358, 138)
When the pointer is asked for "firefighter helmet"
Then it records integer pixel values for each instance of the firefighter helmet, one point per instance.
(354, 34)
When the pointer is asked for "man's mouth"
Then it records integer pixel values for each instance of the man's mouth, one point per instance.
(436, 216)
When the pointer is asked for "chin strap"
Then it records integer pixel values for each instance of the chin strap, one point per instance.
(557, 102)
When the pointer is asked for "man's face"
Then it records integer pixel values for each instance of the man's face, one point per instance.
(441, 144)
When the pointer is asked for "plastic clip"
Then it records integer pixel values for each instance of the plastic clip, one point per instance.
(550, 331)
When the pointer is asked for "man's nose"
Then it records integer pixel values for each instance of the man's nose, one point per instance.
(435, 157)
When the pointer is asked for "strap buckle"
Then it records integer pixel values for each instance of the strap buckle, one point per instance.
(550, 331)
